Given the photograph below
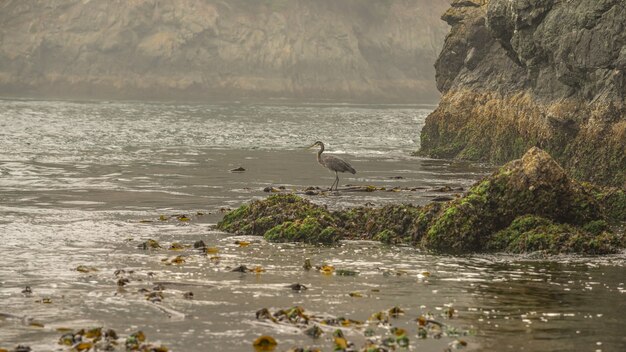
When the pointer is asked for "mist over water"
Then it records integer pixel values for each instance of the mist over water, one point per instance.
(86, 183)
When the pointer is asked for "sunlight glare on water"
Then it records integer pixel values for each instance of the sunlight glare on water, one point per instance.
(84, 184)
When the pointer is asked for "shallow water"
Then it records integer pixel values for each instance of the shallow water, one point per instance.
(85, 184)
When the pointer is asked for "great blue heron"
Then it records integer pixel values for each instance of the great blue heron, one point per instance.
(332, 163)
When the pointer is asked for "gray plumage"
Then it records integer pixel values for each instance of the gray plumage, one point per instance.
(332, 163)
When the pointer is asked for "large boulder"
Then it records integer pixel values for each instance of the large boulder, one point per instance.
(534, 185)
(522, 73)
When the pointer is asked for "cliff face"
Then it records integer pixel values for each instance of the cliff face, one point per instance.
(197, 49)
(523, 73)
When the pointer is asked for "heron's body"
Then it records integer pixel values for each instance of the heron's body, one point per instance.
(332, 163)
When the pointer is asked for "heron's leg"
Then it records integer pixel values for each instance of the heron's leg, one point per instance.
(336, 181)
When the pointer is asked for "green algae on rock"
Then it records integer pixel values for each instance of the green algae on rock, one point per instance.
(527, 205)
(534, 185)
(530, 233)
(283, 218)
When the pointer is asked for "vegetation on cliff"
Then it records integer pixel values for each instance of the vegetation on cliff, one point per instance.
(527, 205)
(543, 73)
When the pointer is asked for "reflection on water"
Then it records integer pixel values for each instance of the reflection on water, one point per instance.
(85, 184)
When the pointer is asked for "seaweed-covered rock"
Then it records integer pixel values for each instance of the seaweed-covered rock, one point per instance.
(530, 233)
(308, 230)
(391, 224)
(533, 185)
(282, 218)
(529, 204)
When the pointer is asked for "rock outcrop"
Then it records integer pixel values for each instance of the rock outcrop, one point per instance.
(522, 73)
(211, 49)
(529, 204)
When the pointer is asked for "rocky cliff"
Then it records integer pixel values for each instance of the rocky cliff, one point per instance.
(205, 49)
(523, 73)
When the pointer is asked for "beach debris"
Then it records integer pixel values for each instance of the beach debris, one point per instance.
(199, 245)
(239, 169)
(456, 345)
(163, 217)
(121, 282)
(379, 317)
(240, 269)
(155, 296)
(443, 189)
(86, 269)
(22, 348)
(326, 269)
(341, 343)
(264, 343)
(449, 312)
(264, 314)
(242, 243)
(137, 342)
(93, 338)
(298, 287)
(149, 244)
(355, 294)
(27, 291)
(176, 246)
(179, 259)
(257, 270)
(345, 272)
(395, 312)
(314, 331)
(270, 189)
(307, 264)
(183, 217)
(294, 315)
(188, 295)
(382, 336)
(212, 250)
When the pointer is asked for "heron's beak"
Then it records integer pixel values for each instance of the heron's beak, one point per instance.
(311, 146)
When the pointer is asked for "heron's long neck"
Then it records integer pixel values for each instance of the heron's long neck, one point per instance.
(319, 153)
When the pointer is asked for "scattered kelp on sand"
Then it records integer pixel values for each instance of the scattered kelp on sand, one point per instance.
(98, 339)
(527, 205)
(381, 330)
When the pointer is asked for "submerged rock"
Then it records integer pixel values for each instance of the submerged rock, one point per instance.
(527, 205)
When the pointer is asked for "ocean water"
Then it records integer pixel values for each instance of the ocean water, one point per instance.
(83, 184)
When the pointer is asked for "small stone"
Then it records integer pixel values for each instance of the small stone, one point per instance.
(298, 287)
(188, 295)
(239, 169)
(199, 245)
(27, 291)
(241, 269)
